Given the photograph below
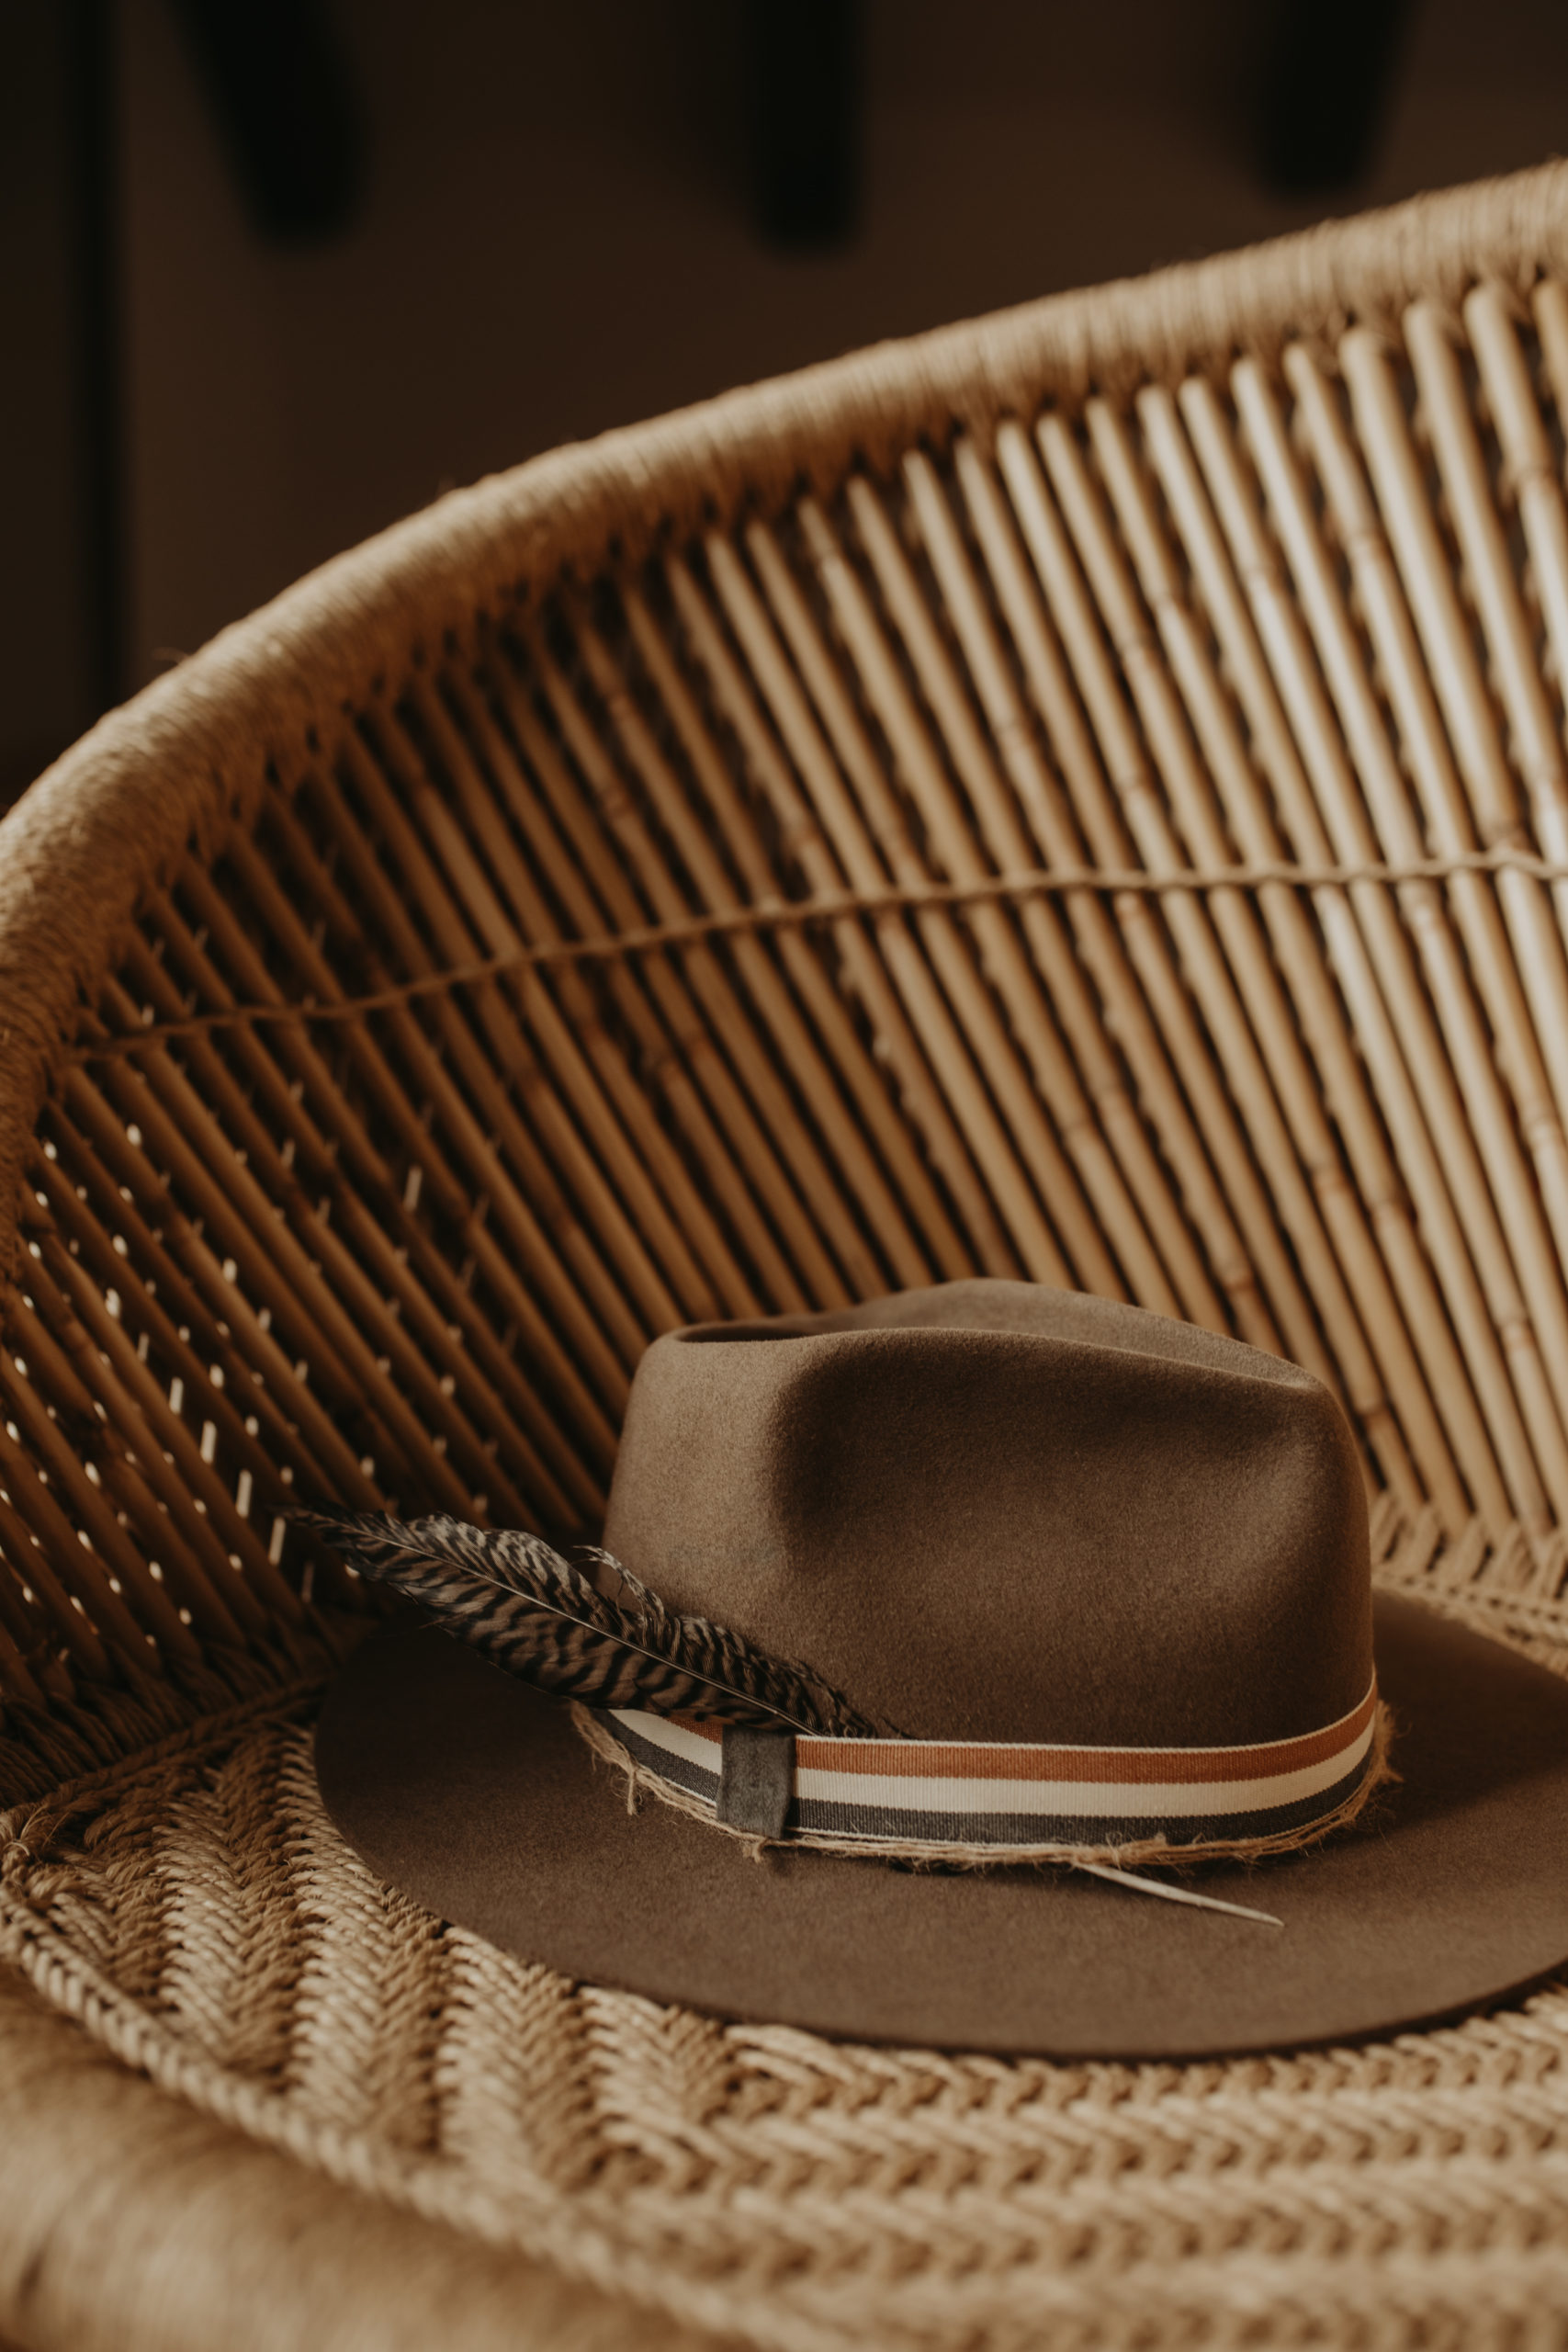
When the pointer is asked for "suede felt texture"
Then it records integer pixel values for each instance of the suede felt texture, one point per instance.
(996, 1511)
(477, 1797)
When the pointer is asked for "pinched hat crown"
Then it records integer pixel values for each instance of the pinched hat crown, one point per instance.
(996, 1511)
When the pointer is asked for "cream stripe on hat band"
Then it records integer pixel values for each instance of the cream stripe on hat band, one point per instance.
(1003, 1794)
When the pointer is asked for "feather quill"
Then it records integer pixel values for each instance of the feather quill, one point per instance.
(530, 1610)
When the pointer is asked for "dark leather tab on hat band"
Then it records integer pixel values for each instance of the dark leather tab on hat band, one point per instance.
(1004, 1794)
(755, 1780)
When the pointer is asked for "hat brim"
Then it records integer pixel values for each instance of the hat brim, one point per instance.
(475, 1796)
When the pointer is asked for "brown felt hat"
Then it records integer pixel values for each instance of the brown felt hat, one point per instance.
(1108, 1576)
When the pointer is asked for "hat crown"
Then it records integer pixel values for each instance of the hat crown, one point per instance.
(994, 1511)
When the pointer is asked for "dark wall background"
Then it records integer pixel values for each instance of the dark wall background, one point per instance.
(556, 233)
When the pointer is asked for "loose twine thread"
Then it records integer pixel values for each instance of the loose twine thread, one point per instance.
(826, 908)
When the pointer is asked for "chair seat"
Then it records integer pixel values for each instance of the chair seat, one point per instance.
(195, 1911)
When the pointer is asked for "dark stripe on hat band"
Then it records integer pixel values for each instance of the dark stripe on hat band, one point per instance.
(1069, 1829)
(695, 1779)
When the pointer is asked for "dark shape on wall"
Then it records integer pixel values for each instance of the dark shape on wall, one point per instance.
(803, 65)
(91, 51)
(1327, 81)
(289, 117)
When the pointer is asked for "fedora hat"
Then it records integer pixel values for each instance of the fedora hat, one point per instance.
(1031, 1591)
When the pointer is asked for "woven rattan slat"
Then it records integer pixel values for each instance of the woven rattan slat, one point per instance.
(1081, 795)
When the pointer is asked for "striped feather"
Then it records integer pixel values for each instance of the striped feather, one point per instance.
(531, 1611)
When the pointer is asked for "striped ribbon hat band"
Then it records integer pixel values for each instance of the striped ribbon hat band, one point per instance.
(1003, 1792)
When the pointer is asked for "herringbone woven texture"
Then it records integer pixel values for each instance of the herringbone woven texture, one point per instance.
(198, 1911)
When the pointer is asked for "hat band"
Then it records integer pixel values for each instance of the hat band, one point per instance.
(1012, 1797)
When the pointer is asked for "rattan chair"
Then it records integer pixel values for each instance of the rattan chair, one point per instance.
(1079, 796)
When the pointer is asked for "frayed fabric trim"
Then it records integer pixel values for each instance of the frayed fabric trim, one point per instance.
(1129, 1853)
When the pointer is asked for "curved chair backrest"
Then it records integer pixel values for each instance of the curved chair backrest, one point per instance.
(1079, 796)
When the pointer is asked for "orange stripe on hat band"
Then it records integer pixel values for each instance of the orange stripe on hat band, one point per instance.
(1024, 1761)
